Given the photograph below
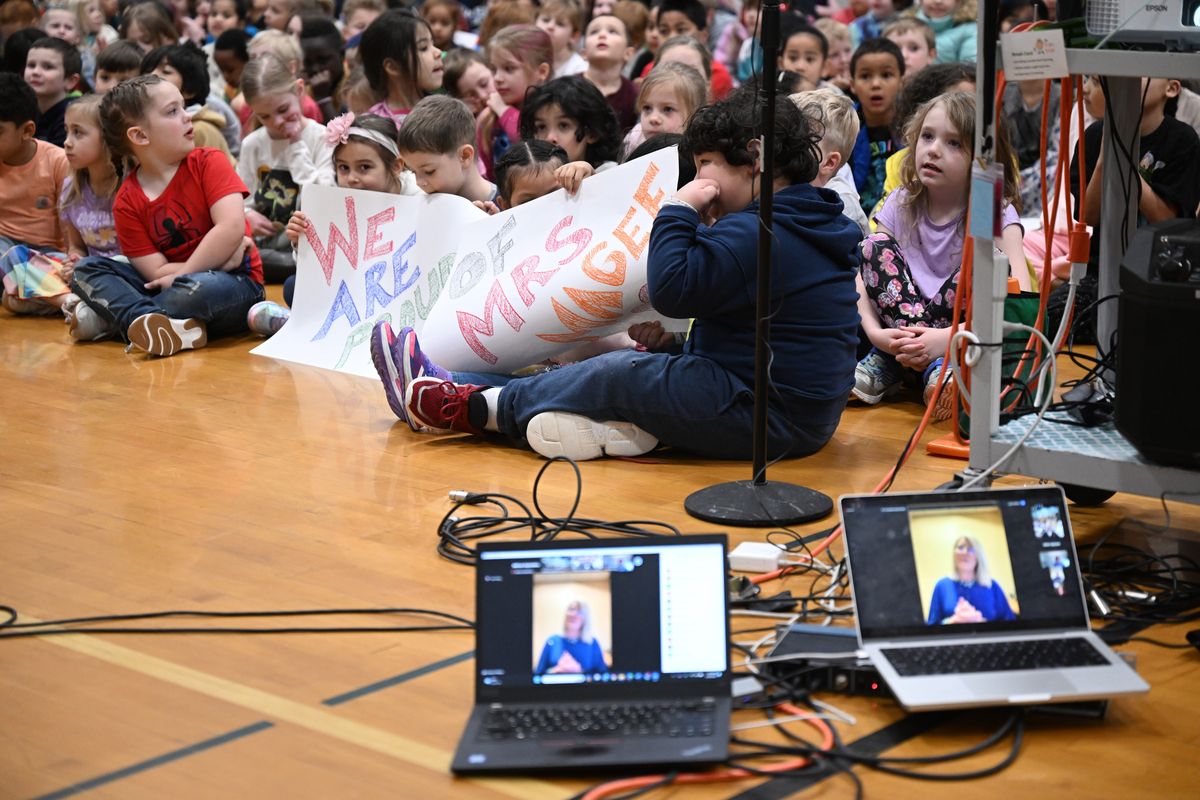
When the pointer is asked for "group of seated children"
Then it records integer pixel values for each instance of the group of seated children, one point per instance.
(153, 209)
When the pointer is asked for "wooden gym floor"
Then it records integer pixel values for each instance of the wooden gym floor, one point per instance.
(222, 481)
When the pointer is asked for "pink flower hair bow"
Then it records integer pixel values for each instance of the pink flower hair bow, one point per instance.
(337, 130)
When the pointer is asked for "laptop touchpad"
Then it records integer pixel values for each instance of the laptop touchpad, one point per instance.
(1043, 683)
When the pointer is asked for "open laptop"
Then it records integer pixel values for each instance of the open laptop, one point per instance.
(975, 598)
(599, 653)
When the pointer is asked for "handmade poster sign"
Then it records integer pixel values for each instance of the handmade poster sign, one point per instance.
(487, 294)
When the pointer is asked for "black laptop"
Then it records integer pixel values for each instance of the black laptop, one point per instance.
(599, 653)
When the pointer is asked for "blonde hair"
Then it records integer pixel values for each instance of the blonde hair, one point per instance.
(89, 105)
(282, 45)
(585, 613)
(690, 87)
(832, 29)
(836, 115)
(960, 113)
(267, 75)
(983, 573)
(121, 109)
(912, 25)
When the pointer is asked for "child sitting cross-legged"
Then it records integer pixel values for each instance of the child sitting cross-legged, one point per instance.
(702, 252)
(32, 172)
(910, 265)
(193, 270)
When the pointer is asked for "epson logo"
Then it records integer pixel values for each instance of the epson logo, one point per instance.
(1155, 8)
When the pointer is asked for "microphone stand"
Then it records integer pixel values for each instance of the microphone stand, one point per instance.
(759, 502)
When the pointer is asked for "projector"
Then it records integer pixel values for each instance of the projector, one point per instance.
(1172, 23)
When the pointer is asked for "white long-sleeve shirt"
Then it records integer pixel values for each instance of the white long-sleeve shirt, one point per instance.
(308, 160)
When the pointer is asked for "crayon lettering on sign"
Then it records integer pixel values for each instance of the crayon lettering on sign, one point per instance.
(343, 306)
(642, 196)
(470, 271)
(374, 245)
(472, 326)
(400, 267)
(500, 244)
(579, 238)
(376, 294)
(347, 243)
(611, 277)
(527, 272)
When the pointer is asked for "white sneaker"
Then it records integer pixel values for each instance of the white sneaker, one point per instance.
(159, 335)
(84, 323)
(557, 433)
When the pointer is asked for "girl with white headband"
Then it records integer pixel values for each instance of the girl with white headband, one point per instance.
(365, 156)
(287, 152)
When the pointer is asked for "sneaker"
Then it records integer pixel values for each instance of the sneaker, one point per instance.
(84, 323)
(440, 404)
(383, 356)
(945, 404)
(266, 317)
(159, 335)
(69, 302)
(876, 377)
(412, 361)
(557, 433)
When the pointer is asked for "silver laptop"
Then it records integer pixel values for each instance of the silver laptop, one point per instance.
(975, 598)
(600, 653)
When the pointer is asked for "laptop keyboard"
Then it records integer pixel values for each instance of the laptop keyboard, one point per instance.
(687, 718)
(994, 657)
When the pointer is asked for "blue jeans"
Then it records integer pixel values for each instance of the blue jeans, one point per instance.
(116, 291)
(686, 401)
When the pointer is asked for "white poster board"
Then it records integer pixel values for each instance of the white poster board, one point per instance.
(487, 294)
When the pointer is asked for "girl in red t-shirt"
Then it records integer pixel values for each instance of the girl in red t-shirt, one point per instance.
(193, 270)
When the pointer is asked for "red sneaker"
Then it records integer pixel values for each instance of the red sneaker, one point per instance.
(441, 404)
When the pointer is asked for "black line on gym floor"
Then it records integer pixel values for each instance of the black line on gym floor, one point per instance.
(371, 688)
(241, 733)
(158, 761)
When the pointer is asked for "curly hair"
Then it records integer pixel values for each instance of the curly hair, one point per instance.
(580, 100)
(926, 84)
(728, 128)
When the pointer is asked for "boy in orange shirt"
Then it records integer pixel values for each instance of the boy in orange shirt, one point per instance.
(32, 172)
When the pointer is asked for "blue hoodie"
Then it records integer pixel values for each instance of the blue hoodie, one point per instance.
(955, 41)
(709, 273)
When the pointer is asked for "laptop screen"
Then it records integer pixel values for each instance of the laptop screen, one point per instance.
(957, 563)
(595, 615)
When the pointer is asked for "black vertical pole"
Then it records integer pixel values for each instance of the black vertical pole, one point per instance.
(766, 215)
(759, 502)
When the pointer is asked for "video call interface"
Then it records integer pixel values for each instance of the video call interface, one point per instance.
(611, 616)
(971, 567)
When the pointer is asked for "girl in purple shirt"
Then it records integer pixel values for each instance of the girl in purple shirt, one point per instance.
(909, 273)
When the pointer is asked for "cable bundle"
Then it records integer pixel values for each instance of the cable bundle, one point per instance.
(455, 534)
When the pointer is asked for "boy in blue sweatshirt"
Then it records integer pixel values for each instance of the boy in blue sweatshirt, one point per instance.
(701, 264)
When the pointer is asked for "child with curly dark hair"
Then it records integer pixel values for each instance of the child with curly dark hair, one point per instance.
(572, 113)
(701, 264)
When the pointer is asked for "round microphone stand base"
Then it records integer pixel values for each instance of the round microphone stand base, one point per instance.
(757, 505)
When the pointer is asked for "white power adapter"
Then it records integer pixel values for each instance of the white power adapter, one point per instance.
(755, 557)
